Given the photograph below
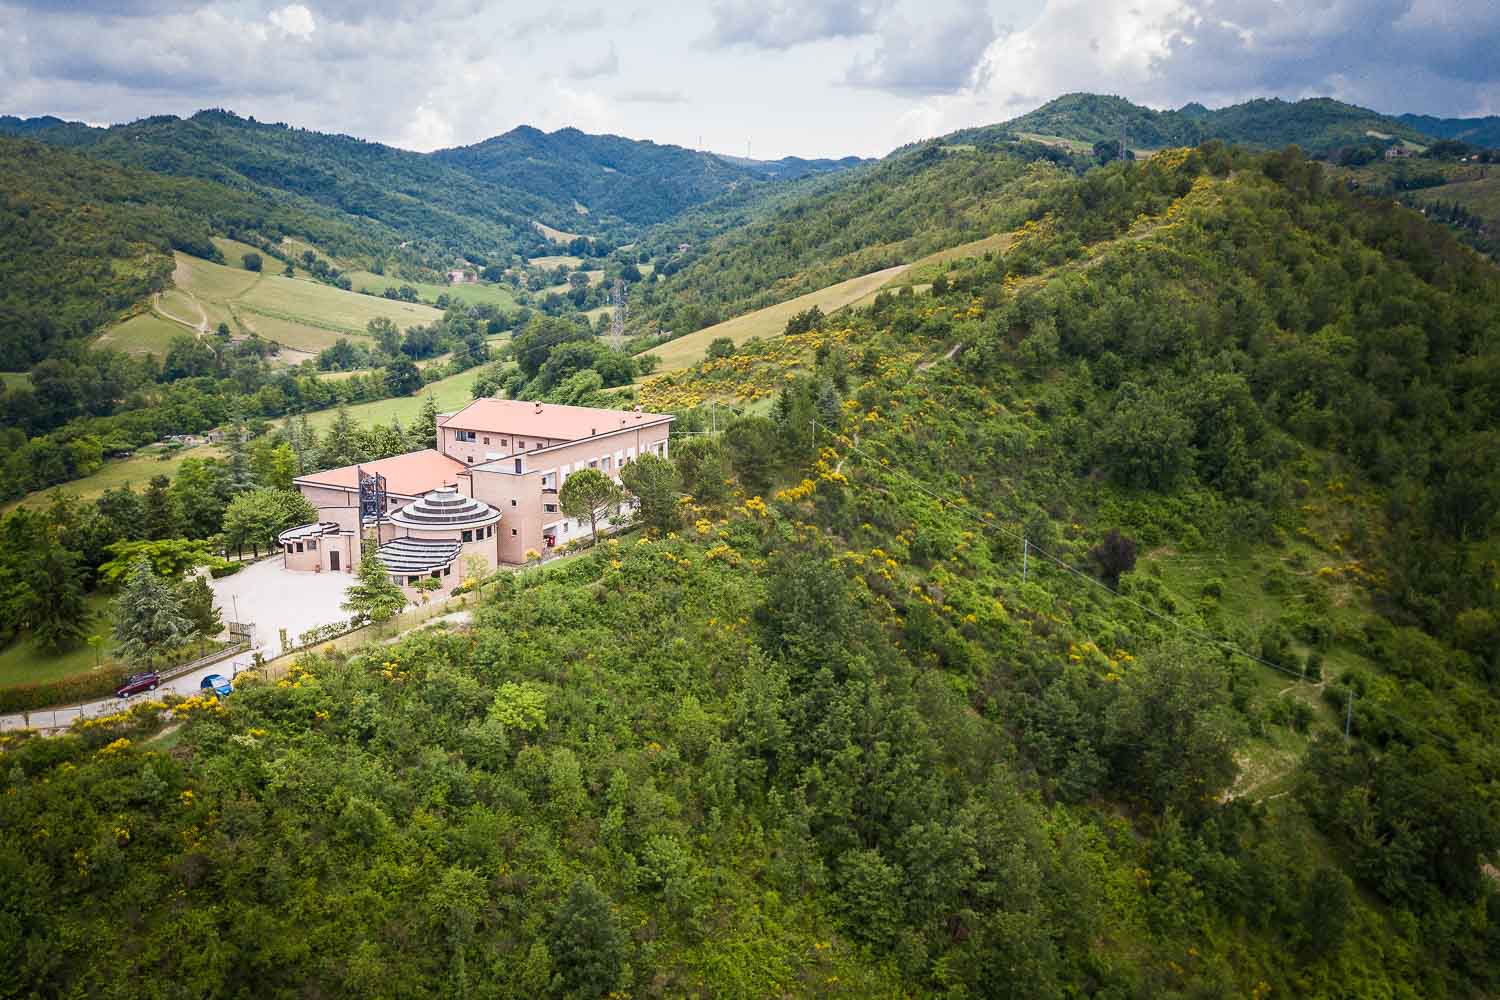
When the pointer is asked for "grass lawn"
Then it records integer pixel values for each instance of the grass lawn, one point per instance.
(135, 470)
(770, 321)
(21, 662)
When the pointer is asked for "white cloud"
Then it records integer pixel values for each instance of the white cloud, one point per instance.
(781, 24)
(293, 20)
(607, 64)
(936, 55)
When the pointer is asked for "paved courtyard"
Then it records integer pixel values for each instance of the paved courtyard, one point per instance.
(274, 599)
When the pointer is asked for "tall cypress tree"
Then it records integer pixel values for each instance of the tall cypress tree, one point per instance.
(159, 512)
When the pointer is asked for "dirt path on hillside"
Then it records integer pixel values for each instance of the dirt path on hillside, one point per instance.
(200, 327)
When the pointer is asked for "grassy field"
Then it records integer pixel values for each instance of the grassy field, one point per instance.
(234, 252)
(555, 235)
(475, 295)
(135, 470)
(770, 321)
(1480, 196)
(555, 260)
(15, 380)
(147, 333)
(452, 392)
(299, 314)
(21, 662)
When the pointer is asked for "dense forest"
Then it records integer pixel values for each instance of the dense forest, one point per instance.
(1116, 619)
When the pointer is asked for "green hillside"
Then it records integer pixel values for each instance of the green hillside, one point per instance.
(1475, 131)
(1117, 620)
(82, 241)
(910, 204)
(1317, 125)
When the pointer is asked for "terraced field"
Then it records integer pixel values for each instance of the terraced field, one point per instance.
(304, 316)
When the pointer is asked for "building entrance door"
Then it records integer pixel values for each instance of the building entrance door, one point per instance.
(333, 561)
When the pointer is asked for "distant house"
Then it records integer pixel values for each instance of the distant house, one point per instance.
(1397, 153)
(455, 277)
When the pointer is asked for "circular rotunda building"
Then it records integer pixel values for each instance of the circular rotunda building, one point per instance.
(432, 535)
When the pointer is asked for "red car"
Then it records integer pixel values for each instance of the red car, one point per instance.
(136, 683)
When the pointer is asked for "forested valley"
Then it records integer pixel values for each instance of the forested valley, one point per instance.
(1115, 615)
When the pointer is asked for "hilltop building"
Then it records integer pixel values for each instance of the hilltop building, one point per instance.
(489, 489)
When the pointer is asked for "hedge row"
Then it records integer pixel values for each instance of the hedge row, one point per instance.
(64, 691)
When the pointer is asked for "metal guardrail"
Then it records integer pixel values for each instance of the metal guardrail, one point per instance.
(203, 661)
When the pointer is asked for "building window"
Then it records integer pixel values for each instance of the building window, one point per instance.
(520, 444)
(436, 574)
(469, 459)
(411, 581)
(312, 546)
(504, 443)
(512, 501)
(447, 571)
(486, 440)
(606, 463)
(468, 536)
(464, 435)
(594, 464)
(299, 546)
(550, 508)
(513, 532)
(489, 532)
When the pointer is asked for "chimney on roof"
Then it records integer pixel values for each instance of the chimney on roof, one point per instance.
(539, 407)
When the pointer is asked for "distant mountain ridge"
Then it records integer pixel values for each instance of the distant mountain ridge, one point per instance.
(479, 199)
(1476, 131)
(1318, 125)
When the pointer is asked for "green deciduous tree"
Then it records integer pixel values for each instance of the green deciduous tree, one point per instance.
(256, 518)
(588, 493)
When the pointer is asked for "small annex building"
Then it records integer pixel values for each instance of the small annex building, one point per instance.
(488, 490)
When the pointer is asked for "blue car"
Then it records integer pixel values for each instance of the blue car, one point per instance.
(218, 684)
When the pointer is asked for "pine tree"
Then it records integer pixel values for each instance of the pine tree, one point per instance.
(159, 512)
(149, 616)
(341, 445)
(423, 433)
(59, 615)
(587, 942)
(197, 599)
(241, 477)
(374, 594)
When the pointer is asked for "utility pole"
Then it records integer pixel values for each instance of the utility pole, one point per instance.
(617, 319)
(1025, 557)
(1349, 714)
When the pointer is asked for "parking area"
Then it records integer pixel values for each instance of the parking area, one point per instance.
(275, 598)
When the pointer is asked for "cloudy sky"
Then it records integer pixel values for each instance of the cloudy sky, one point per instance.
(775, 77)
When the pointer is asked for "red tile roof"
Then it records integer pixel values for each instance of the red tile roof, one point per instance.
(551, 421)
(412, 474)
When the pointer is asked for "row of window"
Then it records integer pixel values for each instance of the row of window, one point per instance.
(471, 437)
(478, 534)
(412, 581)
